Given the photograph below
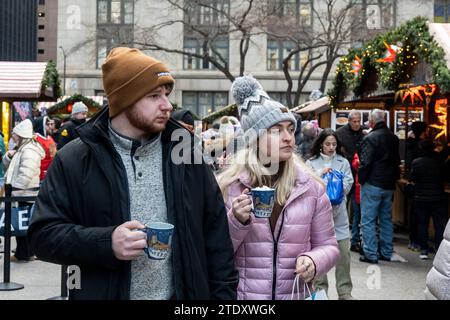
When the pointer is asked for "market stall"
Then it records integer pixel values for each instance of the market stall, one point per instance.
(63, 106)
(25, 82)
(319, 109)
(404, 72)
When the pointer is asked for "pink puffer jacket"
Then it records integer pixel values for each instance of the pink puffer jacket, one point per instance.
(266, 271)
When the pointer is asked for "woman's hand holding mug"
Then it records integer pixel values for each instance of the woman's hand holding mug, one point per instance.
(242, 207)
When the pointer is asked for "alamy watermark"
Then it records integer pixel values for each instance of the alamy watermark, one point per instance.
(73, 277)
(373, 282)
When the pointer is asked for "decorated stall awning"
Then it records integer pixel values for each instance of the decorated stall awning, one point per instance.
(414, 54)
(29, 81)
(317, 106)
(48, 104)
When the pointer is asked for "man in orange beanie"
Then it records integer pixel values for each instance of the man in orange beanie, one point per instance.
(104, 188)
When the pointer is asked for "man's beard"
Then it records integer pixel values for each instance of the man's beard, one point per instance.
(137, 120)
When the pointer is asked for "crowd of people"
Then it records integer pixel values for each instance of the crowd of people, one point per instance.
(31, 149)
(119, 174)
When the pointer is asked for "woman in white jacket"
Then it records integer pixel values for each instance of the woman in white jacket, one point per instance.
(438, 279)
(22, 166)
(326, 155)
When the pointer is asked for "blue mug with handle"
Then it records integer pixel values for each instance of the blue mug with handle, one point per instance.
(159, 240)
(263, 201)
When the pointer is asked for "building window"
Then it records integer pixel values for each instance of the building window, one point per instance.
(441, 11)
(300, 10)
(370, 17)
(221, 48)
(281, 97)
(41, 39)
(207, 12)
(202, 103)
(41, 14)
(278, 50)
(42, 2)
(41, 27)
(41, 51)
(115, 20)
(206, 26)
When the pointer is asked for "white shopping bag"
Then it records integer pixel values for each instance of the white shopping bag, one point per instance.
(315, 295)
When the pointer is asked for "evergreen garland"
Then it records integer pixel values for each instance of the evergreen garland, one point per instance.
(51, 79)
(60, 107)
(416, 45)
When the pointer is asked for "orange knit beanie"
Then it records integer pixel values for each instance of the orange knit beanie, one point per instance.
(128, 75)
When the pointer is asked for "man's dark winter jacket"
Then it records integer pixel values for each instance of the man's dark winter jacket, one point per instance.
(379, 158)
(85, 197)
(68, 132)
(428, 174)
(350, 140)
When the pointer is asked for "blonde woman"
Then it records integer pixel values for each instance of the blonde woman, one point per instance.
(299, 236)
(23, 167)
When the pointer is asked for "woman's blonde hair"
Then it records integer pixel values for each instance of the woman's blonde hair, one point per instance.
(246, 160)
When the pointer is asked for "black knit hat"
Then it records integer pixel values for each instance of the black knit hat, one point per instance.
(418, 128)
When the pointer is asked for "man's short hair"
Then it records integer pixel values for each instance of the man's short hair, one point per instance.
(354, 113)
(377, 115)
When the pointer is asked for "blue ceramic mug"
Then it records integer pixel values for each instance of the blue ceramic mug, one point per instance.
(159, 240)
(263, 201)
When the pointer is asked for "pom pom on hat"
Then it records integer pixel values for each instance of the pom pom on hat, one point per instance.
(245, 87)
(256, 110)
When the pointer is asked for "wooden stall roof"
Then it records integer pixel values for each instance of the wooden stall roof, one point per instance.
(23, 81)
(318, 106)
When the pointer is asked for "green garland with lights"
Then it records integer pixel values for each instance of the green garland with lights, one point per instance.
(51, 79)
(416, 45)
(61, 107)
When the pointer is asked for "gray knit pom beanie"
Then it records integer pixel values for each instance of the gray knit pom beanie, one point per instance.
(256, 110)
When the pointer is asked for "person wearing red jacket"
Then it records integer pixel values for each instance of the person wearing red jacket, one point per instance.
(43, 128)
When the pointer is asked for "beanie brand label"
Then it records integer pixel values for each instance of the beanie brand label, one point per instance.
(162, 74)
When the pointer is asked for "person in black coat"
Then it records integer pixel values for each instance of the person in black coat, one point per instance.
(419, 133)
(351, 136)
(123, 173)
(428, 175)
(378, 172)
(68, 131)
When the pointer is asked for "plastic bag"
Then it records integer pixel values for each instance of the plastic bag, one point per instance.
(335, 186)
(315, 295)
